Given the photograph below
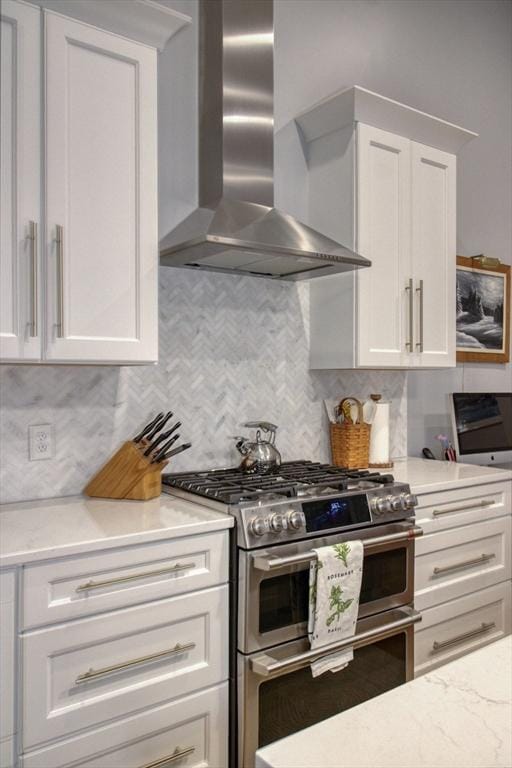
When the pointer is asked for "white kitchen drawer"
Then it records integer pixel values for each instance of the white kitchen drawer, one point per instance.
(140, 644)
(54, 591)
(462, 506)
(7, 655)
(460, 561)
(464, 625)
(199, 721)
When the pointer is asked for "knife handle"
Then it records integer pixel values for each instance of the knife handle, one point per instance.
(147, 428)
(159, 426)
(160, 454)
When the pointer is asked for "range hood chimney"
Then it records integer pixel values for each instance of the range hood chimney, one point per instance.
(236, 228)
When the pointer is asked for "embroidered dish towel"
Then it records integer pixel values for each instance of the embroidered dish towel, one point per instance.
(334, 587)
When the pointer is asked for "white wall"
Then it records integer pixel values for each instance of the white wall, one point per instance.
(451, 58)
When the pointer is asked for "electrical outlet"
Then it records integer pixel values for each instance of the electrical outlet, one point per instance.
(40, 442)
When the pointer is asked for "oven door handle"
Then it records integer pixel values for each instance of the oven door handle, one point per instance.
(265, 665)
(273, 562)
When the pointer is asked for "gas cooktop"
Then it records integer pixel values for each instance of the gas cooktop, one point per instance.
(293, 479)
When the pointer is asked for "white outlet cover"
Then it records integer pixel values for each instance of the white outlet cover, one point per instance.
(40, 442)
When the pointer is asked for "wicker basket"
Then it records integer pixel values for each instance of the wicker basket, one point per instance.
(350, 443)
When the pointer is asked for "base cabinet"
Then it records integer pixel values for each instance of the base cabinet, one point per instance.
(191, 733)
(463, 572)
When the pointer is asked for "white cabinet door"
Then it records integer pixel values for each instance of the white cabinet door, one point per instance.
(101, 186)
(383, 236)
(434, 255)
(20, 164)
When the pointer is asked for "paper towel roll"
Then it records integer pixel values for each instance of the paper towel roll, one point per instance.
(379, 436)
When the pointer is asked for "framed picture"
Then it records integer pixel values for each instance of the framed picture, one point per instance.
(483, 312)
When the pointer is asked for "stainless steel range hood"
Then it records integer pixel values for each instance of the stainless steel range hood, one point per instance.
(236, 227)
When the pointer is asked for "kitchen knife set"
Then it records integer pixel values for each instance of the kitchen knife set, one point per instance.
(134, 471)
(149, 439)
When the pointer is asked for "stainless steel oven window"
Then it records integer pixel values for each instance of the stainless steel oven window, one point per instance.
(273, 604)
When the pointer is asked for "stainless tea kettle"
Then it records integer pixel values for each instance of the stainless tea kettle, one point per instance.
(260, 456)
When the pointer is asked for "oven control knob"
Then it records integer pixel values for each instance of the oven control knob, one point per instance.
(382, 505)
(397, 503)
(295, 520)
(276, 523)
(258, 526)
(410, 500)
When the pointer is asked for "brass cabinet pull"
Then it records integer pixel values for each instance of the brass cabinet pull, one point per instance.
(59, 238)
(99, 584)
(93, 674)
(33, 285)
(409, 342)
(462, 507)
(463, 564)
(176, 755)
(481, 630)
(419, 290)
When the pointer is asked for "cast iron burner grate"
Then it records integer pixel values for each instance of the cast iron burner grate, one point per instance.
(232, 486)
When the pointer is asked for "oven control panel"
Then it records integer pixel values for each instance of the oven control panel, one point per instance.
(290, 519)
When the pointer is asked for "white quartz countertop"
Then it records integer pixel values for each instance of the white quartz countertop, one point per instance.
(425, 475)
(459, 716)
(38, 530)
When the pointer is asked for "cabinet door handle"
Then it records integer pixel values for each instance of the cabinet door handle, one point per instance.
(471, 505)
(34, 273)
(409, 342)
(463, 564)
(481, 630)
(176, 755)
(120, 579)
(419, 290)
(93, 674)
(60, 279)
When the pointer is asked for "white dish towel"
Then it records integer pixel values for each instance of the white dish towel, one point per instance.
(334, 588)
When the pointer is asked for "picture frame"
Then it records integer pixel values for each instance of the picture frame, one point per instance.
(483, 311)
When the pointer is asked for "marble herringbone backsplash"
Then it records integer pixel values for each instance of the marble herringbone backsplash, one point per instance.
(231, 349)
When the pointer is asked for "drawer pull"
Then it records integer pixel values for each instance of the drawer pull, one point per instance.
(93, 674)
(471, 505)
(463, 564)
(481, 630)
(99, 584)
(176, 755)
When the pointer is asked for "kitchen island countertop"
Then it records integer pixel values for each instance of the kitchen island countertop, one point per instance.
(39, 530)
(425, 475)
(459, 716)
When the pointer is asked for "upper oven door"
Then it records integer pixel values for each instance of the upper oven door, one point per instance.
(274, 583)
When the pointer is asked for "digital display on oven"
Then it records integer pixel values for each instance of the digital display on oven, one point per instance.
(336, 513)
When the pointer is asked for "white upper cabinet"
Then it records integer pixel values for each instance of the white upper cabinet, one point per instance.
(381, 181)
(20, 162)
(92, 296)
(101, 202)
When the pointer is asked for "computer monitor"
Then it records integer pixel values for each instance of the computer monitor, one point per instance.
(482, 427)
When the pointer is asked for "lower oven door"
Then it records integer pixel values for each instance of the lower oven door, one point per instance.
(278, 696)
(274, 583)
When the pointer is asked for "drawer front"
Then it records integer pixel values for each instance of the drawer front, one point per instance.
(88, 671)
(7, 753)
(73, 587)
(196, 727)
(461, 561)
(7, 655)
(461, 626)
(448, 509)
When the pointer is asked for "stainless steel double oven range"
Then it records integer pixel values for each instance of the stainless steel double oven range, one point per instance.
(280, 519)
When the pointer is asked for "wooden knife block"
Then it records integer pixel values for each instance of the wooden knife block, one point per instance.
(127, 475)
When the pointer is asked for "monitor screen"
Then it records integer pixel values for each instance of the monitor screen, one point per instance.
(483, 421)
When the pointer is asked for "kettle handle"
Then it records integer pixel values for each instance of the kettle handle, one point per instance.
(266, 426)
